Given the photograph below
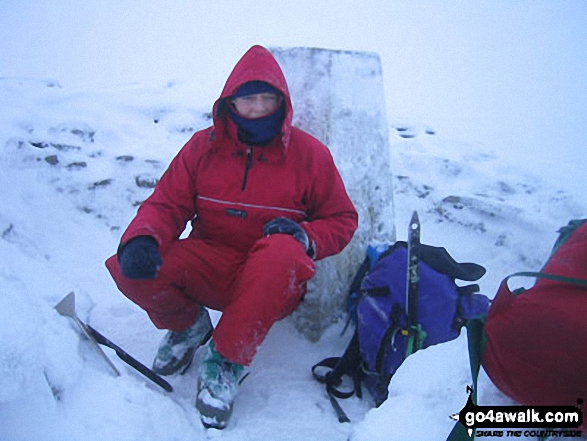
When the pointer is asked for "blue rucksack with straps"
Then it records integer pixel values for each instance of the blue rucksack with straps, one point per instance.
(377, 306)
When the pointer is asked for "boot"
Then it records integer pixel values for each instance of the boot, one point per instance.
(218, 385)
(177, 349)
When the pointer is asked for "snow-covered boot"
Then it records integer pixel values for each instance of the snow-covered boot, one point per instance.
(177, 349)
(218, 385)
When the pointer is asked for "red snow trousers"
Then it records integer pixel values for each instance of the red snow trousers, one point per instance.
(252, 289)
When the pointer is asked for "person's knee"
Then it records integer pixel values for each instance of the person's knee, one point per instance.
(280, 246)
(281, 255)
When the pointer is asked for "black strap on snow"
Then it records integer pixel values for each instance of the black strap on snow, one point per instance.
(349, 365)
(336, 369)
(331, 390)
(331, 381)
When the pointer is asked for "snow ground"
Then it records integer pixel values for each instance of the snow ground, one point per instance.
(72, 179)
(76, 159)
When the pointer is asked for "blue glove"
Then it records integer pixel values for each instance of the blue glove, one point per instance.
(139, 258)
(283, 225)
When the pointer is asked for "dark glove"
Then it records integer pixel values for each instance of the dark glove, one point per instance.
(283, 225)
(139, 258)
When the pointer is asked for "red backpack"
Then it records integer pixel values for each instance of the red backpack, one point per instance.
(536, 347)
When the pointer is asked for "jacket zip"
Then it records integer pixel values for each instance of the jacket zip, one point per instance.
(248, 165)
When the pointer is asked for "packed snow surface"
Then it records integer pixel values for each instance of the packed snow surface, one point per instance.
(486, 104)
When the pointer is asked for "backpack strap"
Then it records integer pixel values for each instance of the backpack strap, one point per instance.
(565, 234)
(355, 289)
(374, 254)
(541, 275)
(388, 339)
(476, 341)
(477, 338)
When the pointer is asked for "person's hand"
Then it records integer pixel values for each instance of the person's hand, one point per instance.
(283, 225)
(139, 258)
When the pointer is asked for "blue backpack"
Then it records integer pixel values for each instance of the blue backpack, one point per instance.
(377, 306)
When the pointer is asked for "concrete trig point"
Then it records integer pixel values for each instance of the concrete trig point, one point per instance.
(338, 97)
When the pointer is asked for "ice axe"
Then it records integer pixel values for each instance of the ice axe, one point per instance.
(66, 307)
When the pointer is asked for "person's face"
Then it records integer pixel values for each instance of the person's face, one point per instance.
(257, 105)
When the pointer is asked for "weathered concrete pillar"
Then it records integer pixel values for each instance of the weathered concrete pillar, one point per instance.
(338, 97)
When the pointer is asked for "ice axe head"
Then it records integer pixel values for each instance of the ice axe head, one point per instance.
(66, 306)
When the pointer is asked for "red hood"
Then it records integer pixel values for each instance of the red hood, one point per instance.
(257, 64)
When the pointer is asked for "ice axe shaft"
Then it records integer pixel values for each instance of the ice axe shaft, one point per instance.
(131, 361)
(66, 307)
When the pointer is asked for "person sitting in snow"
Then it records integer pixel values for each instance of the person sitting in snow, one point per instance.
(265, 200)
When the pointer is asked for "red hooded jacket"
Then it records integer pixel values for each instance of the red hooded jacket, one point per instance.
(230, 190)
